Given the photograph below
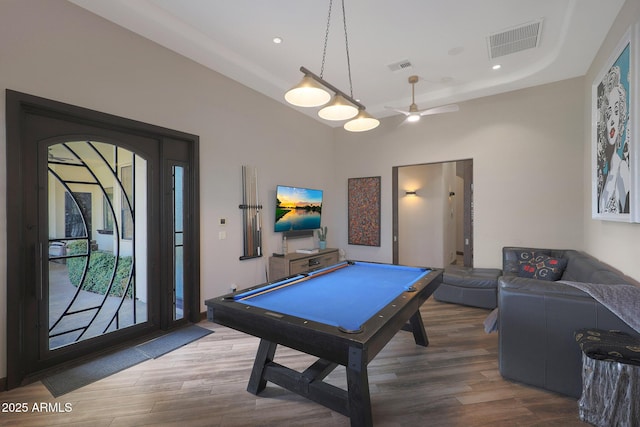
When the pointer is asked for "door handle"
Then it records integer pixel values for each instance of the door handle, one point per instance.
(40, 284)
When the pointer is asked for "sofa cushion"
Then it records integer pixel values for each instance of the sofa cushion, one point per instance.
(468, 277)
(582, 267)
(527, 286)
(543, 267)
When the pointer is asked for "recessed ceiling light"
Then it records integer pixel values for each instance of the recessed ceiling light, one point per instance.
(496, 67)
(277, 40)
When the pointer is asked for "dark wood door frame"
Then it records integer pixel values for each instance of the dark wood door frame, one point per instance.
(467, 176)
(22, 165)
(465, 170)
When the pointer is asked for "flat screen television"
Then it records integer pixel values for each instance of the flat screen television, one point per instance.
(297, 208)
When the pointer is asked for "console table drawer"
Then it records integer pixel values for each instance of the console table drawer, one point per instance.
(296, 263)
(300, 266)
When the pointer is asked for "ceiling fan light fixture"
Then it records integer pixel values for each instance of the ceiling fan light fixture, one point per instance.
(338, 109)
(362, 122)
(307, 93)
(414, 113)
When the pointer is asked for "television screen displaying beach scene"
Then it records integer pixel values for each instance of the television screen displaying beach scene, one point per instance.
(297, 208)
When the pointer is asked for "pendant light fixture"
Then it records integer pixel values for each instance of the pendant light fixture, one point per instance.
(362, 122)
(314, 91)
(338, 109)
(307, 93)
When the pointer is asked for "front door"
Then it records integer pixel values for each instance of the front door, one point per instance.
(102, 215)
(96, 234)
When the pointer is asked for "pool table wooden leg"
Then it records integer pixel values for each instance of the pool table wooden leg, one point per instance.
(416, 326)
(266, 352)
(358, 388)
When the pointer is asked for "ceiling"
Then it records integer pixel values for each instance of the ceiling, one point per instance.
(444, 41)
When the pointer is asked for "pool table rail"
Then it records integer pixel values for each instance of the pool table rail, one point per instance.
(322, 340)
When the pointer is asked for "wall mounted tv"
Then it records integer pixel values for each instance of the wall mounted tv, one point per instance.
(297, 208)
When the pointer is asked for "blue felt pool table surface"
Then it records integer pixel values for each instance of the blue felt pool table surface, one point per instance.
(345, 298)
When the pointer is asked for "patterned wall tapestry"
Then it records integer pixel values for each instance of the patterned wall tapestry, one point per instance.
(364, 211)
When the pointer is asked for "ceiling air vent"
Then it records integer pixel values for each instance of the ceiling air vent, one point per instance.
(514, 40)
(405, 64)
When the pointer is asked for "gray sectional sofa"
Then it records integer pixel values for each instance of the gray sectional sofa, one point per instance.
(537, 318)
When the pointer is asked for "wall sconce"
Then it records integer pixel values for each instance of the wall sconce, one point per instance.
(411, 193)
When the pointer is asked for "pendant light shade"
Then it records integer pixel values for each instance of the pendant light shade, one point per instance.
(314, 91)
(338, 109)
(307, 93)
(362, 122)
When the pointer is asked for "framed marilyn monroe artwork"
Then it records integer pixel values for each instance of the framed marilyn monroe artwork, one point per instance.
(615, 142)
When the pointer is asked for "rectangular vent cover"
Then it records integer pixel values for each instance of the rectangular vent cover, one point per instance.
(405, 64)
(514, 40)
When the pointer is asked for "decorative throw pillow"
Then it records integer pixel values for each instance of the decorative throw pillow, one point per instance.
(542, 267)
(520, 257)
(526, 256)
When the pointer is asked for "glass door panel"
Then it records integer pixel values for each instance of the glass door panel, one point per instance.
(97, 262)
(178, 244)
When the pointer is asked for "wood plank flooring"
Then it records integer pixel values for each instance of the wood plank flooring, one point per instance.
(453, 382)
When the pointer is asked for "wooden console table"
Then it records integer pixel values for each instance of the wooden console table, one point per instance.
(296, 263)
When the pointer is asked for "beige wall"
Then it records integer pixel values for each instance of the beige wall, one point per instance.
(529, 147)
(56, 50)
(527, 150)
(617, 244)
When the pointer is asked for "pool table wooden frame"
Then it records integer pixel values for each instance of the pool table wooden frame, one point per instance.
(332, 346)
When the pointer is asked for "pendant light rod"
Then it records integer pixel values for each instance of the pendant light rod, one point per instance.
(314, 91)
(331, 87)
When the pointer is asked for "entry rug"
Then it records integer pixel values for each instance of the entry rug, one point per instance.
(104, 366)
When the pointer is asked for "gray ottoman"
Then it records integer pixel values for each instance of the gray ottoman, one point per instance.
(610, 378)
(477, 287)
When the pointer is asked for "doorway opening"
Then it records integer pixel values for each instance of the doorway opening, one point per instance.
(433, 214)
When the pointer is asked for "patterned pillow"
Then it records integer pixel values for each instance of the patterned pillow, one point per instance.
(543, 267)
(517, 257)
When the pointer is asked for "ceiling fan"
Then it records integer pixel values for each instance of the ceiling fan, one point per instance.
(54, 158)
(413, 115)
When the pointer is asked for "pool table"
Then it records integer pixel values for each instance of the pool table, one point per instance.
(343, 314)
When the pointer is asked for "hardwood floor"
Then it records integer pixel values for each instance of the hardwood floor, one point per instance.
(453, 382)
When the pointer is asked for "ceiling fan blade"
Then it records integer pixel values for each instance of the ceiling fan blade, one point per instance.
(58, 158)
(406, 113)
(451, 108)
